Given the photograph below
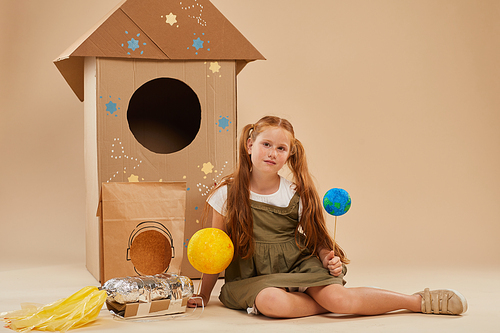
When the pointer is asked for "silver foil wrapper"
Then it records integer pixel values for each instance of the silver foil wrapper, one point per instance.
(148, 288)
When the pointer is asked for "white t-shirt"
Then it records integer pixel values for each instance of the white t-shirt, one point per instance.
(280, 198)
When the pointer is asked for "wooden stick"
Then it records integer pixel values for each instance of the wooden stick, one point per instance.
(199, 286)
(201, 277)
(335, 232)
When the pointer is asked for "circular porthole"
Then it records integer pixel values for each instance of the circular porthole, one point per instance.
(150, 248)
(150, 253)
(164, 115)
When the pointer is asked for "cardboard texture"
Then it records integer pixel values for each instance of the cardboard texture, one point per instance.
(158, 81)
(149, 309)
(158, 29)
(142, 228)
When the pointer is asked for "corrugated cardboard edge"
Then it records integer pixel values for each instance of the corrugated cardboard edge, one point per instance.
(153, 308)
(92, 189)
(101, 252)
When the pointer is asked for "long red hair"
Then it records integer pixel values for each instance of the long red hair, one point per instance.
(239, 218)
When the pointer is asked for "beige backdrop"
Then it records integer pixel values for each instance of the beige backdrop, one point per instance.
(396, 101)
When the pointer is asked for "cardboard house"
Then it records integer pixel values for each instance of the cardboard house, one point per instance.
(158, 82)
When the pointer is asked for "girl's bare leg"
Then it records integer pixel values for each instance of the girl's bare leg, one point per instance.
(364, 301)
(278, 303)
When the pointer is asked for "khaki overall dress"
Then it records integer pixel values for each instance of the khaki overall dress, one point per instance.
(277, 260)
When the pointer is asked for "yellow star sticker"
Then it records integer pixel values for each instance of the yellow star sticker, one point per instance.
(207, 168)
(214, 67)
(171, 19)
(133, 179)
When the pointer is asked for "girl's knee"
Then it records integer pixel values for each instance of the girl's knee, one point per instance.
(335, 298)
(272, 302)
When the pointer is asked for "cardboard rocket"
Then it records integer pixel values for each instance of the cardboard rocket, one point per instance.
(158, 83)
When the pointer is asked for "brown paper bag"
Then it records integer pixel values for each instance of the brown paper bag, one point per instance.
(142, 228)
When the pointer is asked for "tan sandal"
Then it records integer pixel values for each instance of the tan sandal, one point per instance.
(443, 301)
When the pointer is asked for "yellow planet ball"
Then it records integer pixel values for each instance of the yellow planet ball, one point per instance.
(210, 250)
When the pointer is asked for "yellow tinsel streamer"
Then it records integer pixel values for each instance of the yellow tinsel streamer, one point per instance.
(77, 310)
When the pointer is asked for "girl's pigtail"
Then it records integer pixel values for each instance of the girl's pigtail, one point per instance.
(239, 215)
(312, 220)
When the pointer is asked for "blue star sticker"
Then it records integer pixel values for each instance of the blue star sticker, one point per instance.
(223, 122)
(111, 107)
(134, 44)
(197, 44)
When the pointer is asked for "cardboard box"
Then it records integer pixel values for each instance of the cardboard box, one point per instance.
(153, 308)
(158, 81)
(142, 228)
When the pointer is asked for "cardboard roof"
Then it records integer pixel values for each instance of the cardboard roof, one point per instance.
(157, 29)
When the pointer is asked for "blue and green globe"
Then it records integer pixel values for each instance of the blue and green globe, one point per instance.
(337, 201)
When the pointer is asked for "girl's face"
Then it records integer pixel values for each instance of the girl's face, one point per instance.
(270, 150)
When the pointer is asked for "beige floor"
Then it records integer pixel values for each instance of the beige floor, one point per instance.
(49, 283)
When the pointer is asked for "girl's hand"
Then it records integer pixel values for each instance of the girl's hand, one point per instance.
(332, 263)
(196, 302)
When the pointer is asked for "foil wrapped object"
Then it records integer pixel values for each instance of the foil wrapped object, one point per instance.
(148, 288)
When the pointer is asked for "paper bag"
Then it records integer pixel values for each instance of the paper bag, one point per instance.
(142, 228)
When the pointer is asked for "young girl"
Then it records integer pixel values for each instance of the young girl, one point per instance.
(286, 265)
